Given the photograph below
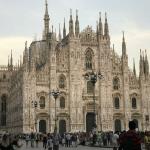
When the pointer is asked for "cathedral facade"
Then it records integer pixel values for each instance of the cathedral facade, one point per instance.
(27, 103)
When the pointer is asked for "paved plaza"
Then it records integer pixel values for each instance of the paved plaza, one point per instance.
(65, 148)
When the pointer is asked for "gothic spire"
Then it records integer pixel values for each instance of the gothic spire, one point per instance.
(123, 45)
(64, 30)
(11, 62)
(97, 29)
(59, 33)
(8, 62)
(77, 25)
(141, 64)
(100, 25)
(146, 64)
(46, 19)
(134, 70)
(11, 59)
(106, 30)
(25, 53)
(71, 32)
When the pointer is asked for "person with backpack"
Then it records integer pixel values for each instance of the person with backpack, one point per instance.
(130, 140)
(147, 140)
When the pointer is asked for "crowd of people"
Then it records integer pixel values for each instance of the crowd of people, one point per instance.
(126, 140)
(9, 142)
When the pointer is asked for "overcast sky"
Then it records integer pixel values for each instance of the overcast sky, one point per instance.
(22, 20)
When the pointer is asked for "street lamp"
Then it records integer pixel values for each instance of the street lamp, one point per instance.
(55, 94)
(34, 103)
(92, 77)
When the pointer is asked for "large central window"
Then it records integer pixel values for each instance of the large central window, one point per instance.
(116, 83)
(90, 87)
(62, 102)
(62, 81)
(88, 59)
(116, 103)
(42, 102)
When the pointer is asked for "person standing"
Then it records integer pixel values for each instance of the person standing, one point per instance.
(56, 141)
(50, 143)
(130, 140)
(115, 138)
(44, 141)
(27, 138)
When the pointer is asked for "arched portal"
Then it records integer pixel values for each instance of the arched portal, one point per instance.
(62, 126)
(42, 126)
(136, 122)
(117, 125)
(89, 121)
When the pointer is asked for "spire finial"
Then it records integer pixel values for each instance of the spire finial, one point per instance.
(59, 33)
(123, 36)
(106, 30)
(100, 14)
(134, 70)
(52, 28)
(46, 10)
(11, 59)
(8, 60)
(70, 12)
(76, 12)
(123, 44)
(71, 29)
(105, 16)
(26, 44)
(100, 25)
(64, 30)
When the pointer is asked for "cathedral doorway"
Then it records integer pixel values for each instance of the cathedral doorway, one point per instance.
(89, 121)
(42, 126)
(136, 122)
(117, 125)
(62, 126)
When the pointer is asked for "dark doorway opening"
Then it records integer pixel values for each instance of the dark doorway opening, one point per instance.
(89, 121)
(117, 125)
(42, 126)
(62, 126)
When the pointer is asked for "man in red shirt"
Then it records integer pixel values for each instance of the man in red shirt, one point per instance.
(130, 140)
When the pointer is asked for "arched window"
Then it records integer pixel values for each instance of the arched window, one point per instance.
(90, 87)
(62, 81)
(116, 83)
(3, 109)
(88, 59)
(134, 105)
(62, 102)
(42, 102)
(4, 76)
(3, 106)
(116, 103)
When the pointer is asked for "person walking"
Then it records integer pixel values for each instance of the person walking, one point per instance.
(50, 143)
(32, 138)
(27, 138)
(44, 141)
(5, 145)
(56, 138)
(147, 140)
(115, 140)
(130, 140)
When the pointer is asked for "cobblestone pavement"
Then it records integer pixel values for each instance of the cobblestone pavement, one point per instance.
(64, 148)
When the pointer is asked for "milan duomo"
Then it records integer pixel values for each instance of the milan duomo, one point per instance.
(61, 63)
